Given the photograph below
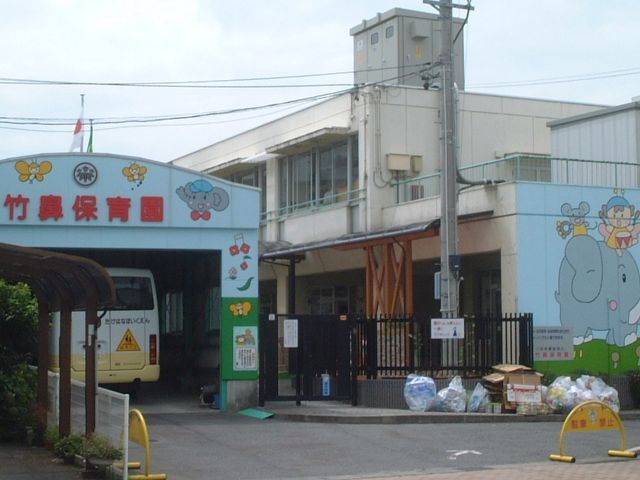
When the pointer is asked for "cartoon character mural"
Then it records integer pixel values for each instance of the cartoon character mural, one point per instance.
(30, 171)
(619, 227)
(202, 197)
(599, 281)
(577, 225)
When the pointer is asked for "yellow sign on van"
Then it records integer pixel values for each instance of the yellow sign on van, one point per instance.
(128, 343)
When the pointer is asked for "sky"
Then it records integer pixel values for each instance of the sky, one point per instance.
(569, 50)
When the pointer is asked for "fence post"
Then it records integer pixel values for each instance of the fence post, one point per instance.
(353, 328)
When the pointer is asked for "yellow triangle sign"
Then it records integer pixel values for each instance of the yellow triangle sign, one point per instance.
(128, 343)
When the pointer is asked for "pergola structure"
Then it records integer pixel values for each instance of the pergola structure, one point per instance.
(62, 283)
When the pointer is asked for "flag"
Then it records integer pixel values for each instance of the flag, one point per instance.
(90, 143)
(78, 132)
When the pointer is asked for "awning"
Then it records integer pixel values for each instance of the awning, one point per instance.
(349, 241)
(276, 250)
(303, 143)
(57, 275)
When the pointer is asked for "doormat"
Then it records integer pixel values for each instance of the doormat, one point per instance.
(255, 413)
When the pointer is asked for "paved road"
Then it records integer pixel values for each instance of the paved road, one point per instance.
(194, 446)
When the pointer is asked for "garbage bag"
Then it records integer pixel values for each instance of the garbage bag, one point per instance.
(479, 399)
(609, 395)
(419, 392)
(452, 398)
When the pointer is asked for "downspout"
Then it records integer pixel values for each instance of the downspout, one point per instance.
(459, 177)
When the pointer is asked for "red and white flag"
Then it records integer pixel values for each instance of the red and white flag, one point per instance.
(78, 132)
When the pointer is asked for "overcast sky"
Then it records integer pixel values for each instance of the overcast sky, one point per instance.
(127, 41)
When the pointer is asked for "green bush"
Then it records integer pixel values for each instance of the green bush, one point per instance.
(69, 446)
(17, 401)
(18, 343)
(100, 447)
(51, 436)
(18, 324)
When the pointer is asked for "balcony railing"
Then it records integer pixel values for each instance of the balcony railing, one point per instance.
(337, 200)
(529, 168)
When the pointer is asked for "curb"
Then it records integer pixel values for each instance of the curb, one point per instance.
(395, 419)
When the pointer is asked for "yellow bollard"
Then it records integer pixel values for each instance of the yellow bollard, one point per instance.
(139, 434)
(592, 415)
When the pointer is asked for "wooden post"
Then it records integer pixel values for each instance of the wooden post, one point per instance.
(91, 326)
(43, 362)
(64, 351)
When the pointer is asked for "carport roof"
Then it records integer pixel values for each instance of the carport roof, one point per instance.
(57, 277)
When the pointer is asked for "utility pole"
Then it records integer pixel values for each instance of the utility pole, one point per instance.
(449, 258)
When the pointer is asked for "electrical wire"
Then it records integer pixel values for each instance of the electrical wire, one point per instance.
(565, 79)
(5, 120)
(200, 83)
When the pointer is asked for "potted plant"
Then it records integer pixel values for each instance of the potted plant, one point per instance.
(68, 447)
(99, 454)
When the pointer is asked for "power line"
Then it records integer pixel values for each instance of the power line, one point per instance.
(162, 118)
(201, 83)
(565, 79)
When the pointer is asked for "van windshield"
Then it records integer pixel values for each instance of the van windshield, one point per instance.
(133, 293)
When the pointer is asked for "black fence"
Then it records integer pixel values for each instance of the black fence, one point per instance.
(395, 347)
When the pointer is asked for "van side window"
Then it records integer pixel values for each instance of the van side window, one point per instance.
(133, 293)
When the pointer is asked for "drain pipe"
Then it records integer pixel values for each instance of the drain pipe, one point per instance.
(459, 177)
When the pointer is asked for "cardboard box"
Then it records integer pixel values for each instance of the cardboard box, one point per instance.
(521, 388)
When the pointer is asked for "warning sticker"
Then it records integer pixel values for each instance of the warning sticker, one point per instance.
(128, 343)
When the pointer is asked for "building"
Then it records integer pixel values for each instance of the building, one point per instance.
(350, 202)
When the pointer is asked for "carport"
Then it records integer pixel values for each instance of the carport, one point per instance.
(197, 234)
(64, 283)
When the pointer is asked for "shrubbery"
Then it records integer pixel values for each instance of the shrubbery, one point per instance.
(18, 343)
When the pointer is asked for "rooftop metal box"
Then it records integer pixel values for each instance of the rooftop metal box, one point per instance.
(393, 47)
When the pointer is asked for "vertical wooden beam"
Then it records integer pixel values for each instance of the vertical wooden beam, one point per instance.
(408, 277)
(64, 352)
(43, 362)
(91, 379)
(387, 286)
(368, 283)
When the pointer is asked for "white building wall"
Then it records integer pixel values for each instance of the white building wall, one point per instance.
(611, 138)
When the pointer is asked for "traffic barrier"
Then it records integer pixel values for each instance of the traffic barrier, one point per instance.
(139, 434)
(589, 416)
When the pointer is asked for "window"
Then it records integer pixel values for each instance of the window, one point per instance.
(254, 177)
(133, 293)
(374, 38)
(320, 176)
(301, 181)
(388, 33)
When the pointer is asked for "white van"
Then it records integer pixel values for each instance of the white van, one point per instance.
(128, 343)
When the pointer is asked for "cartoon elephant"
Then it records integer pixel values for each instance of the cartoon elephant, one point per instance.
(598, 290)
(201, 197)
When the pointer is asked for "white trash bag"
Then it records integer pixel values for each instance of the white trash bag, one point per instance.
(419, 392)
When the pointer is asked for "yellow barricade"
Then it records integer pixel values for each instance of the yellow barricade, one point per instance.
(590, 416)
(139, 434)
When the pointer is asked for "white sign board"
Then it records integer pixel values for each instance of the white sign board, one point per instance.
(447, 328)
(291, 333)
(552, 344)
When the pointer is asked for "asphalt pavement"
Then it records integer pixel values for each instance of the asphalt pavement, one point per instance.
(170, 425)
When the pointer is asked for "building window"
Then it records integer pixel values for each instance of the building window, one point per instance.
(374, 38)
(254, 177)
(388, 33)
(320, 176)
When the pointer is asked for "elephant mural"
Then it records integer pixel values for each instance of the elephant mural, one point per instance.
(599, 291)
(202, 197)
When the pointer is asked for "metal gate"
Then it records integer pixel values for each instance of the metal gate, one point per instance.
(306, 357)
